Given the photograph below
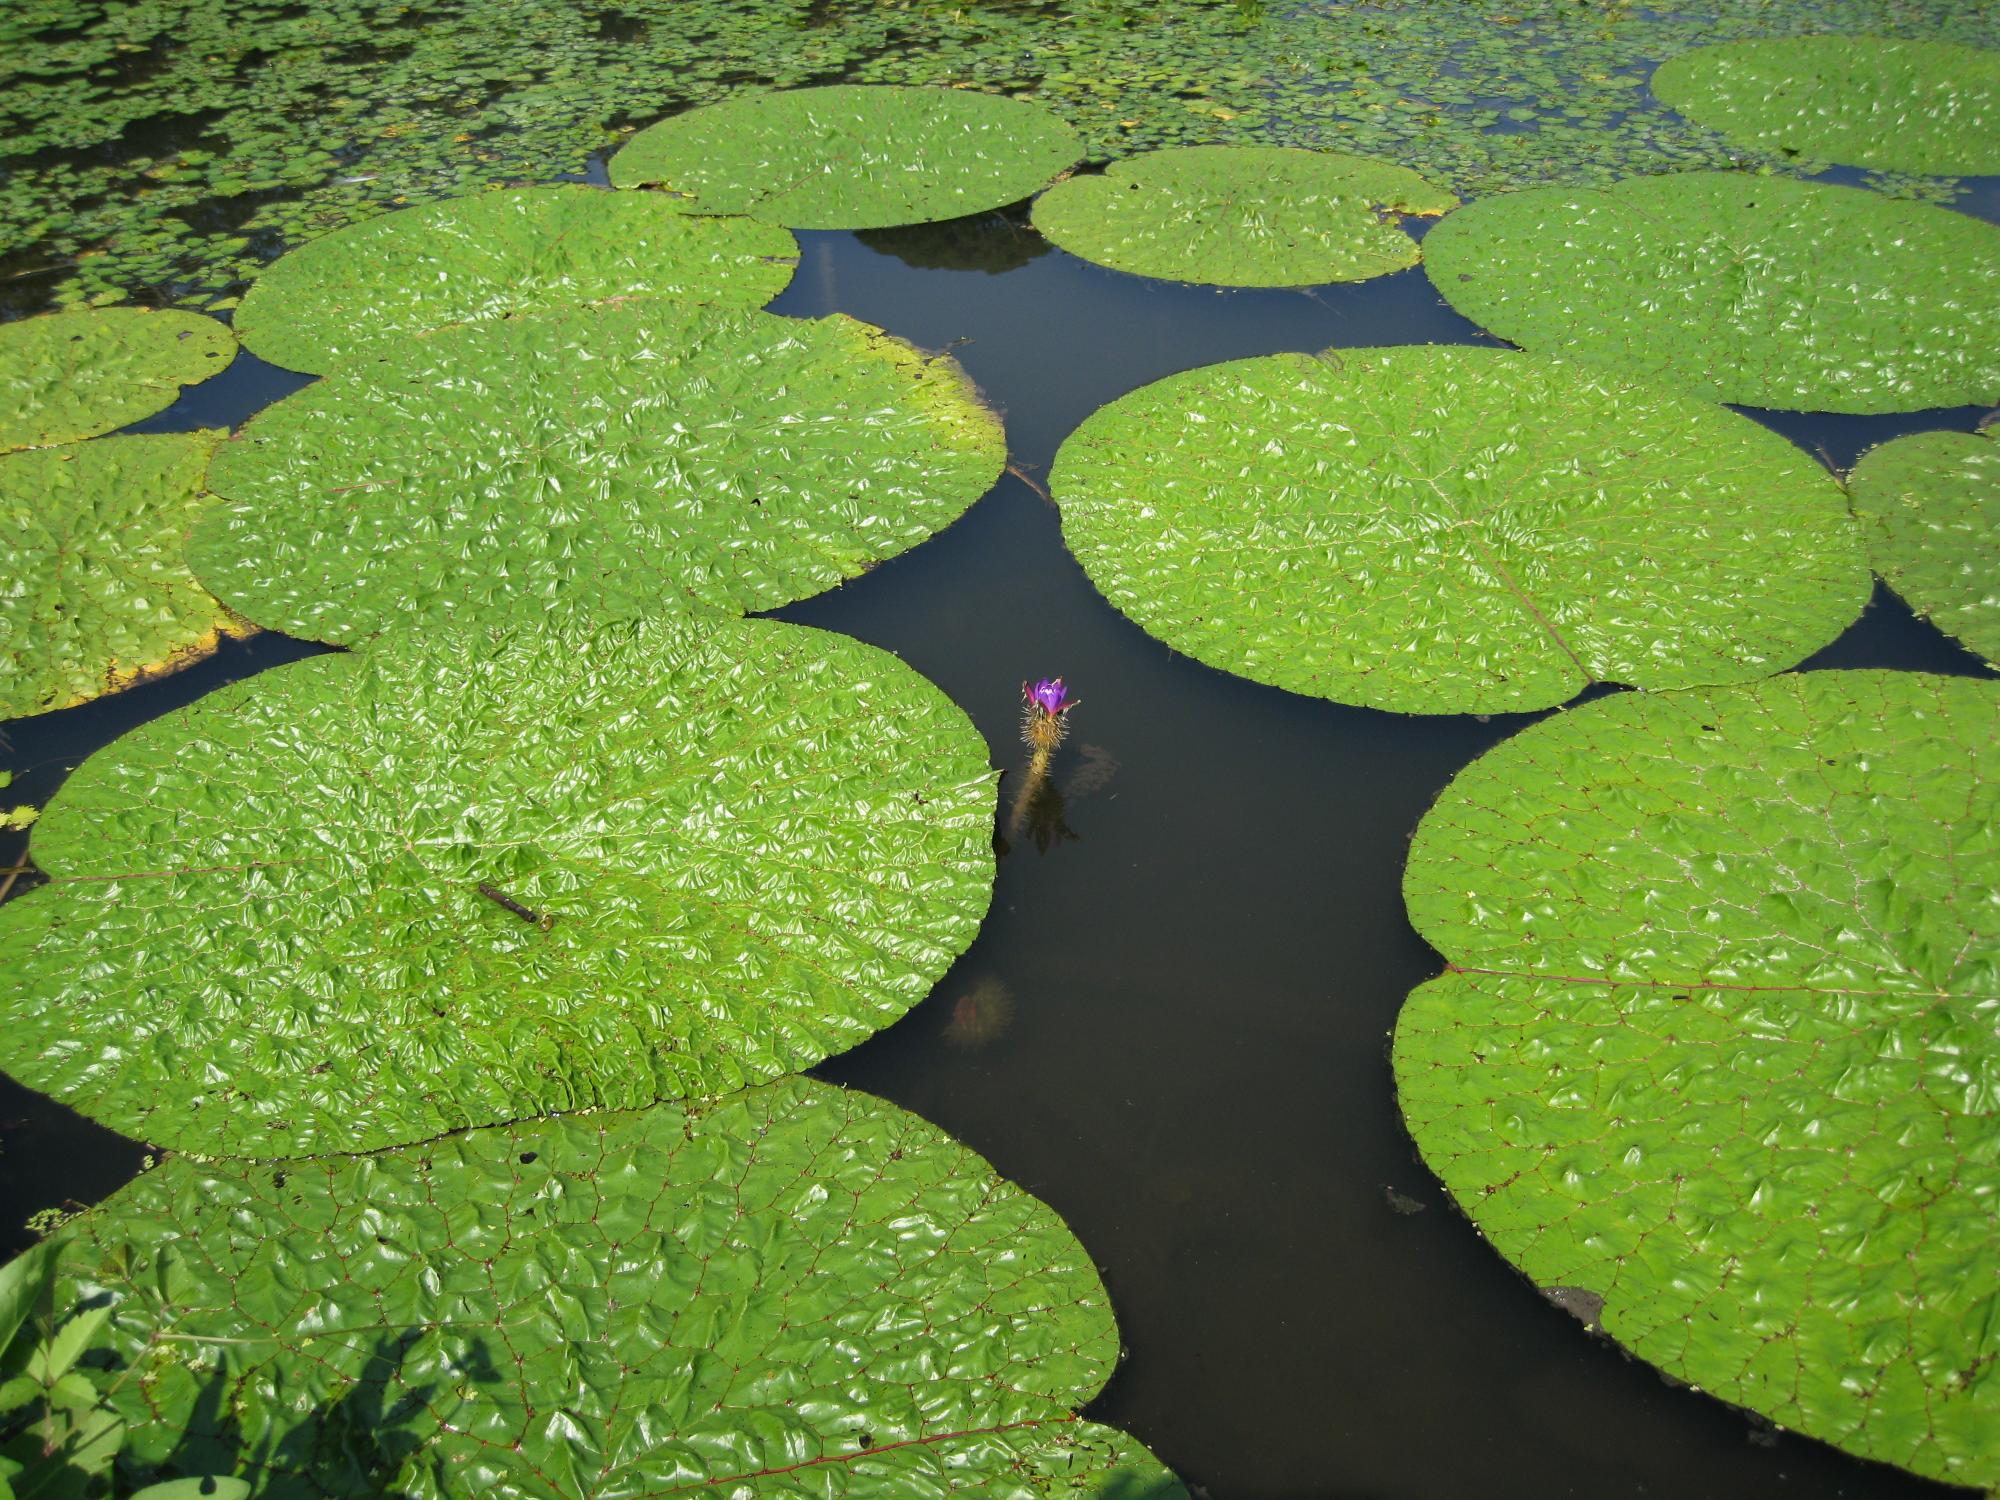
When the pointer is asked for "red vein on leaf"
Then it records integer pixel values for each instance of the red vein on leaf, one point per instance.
(848, 1458)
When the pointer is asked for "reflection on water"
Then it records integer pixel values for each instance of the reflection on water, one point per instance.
(980, 1014)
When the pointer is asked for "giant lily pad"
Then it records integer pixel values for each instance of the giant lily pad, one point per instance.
(1446, 530)
(100, 594)
(1242, 215)
(1761, 290)
(1909, 106)
(75, 375)
(851, 156)
(1929, 506)
(1716, 1040)
(365, 289)
(620, 460)
(795, 1291)
(375, 896)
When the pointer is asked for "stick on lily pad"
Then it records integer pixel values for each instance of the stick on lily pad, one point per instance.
(1242, 215)
(851, 156)
(793, 1281)
(1455, 530)
(473, 877)
(367, 288)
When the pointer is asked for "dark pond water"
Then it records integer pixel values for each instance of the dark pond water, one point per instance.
(1174, 1025)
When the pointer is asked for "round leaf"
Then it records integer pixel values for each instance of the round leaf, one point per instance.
(371, 897)
(365, 289)
(851, 156)
(1715, 1041)
(628, 459)
(1929, 506)
(1904, 106)
(1242, 215)
(797, 1290)
(1761, 290)
(1453, 530)
(76, 374)
(101, 595)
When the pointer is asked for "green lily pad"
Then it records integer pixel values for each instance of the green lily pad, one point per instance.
(1455, 530)
(77, 374)
(1715, 1041)
(1929, 506)
(1904, 106)
(613, 461)
(851, 156)
(1760, 290)
(796, 1290)
(1242, 215)
(101, 595)
(365, 289)
(371, 897)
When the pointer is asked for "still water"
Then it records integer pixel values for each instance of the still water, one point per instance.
(1174, 1025)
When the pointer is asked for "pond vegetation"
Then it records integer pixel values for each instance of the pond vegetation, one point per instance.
(459, 979)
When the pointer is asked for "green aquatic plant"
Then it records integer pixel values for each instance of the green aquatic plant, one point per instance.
(1714, 1040)
(1242, 215)
(1759, 290)
(100, 595)
(794, 1290)
(471, 877)
(851, 156)
(75, 375)
(1909, 106)
(1929, 506)
(1455, 530)
(366, 289)
(634, 458)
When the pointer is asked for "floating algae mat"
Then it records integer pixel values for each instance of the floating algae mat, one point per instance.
(1715, 1043)
(795, 1279)
(472, 878)
(1242, 215)
(851, 157)
(100, 592)
(79, 374)
(1441, 530)
(608, 462)
(1759, 290)
(1929, 506)
(366, 289)
(1908, 106)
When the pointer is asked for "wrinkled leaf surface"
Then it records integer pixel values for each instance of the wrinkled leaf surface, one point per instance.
(615, 461)
(366, 289)
(797, 1291)
(1242, 215)
(367, 898)
(1929, 506)
(851, 156)
(77, 374)
(100, 593)
(1449, 530)
(1761, 290)
(1716, 1040)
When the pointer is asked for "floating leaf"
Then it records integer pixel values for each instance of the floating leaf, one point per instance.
(1762, 290)
(100, 594)
(851, 156)
(74, 375)
(370, 897)
(1929, 506)
(1715, 1041)
(1242, 215)
(797, 1290)
(365, 289)
(1908, 106)
(1453, 530)
(637, 458)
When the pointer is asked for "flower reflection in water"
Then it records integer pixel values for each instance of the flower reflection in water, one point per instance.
(980, 1015)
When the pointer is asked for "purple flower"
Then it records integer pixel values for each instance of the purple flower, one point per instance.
(1048, 696)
